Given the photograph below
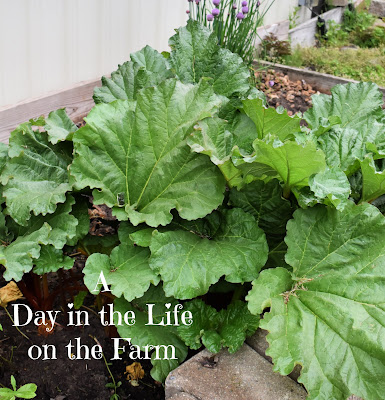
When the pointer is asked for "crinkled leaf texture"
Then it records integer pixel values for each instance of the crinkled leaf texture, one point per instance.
(51, 260)
(146, 68)
(63, 225)
(216, 138)
(288, 161)
(213, 138)
(126, 269)
(328, 315)
(373, 181)
(189, 262)
(268, 121)
(136, 155)
(195, 54)
(36, 176)
(333, 185)
(59, 126)
(155, 335)
(353, 103)
(265, 202)
(345, 148)
(226, 328)
(38, 243)
(18, 256)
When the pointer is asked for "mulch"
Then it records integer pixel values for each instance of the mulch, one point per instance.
(295, 96)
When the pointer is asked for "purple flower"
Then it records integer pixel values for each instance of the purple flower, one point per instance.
(215, 12)
(245, 10)
(197, 2)
(240, 16)
(234, 6)
(210, 17)
(216, 2)
(187, 11)
(258, 3)
(271, 83)
(244, 3)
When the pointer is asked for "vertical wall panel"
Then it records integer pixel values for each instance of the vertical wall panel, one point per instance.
(48, 45)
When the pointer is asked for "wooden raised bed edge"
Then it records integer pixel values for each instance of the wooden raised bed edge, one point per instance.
(321, 82)
(77, 99)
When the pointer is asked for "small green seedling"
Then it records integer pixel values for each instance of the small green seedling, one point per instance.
(27, 391)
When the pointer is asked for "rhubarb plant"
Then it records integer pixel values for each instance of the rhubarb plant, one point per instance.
(216, 196)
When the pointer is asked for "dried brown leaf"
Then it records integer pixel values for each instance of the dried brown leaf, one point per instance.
(8, 293)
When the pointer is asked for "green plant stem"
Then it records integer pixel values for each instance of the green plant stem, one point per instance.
(238, 294)
(286, 192)
(13, 322)
(105, 362)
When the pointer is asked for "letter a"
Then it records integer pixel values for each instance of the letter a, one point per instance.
(101, 281)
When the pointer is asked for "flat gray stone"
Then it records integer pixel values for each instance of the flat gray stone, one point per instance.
(183, 396)
(245, 375)
(377, 7)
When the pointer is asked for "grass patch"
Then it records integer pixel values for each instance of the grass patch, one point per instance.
(360, 64)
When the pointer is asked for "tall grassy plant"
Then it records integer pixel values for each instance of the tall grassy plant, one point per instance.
(235, 22)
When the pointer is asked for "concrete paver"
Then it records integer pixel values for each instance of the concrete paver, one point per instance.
(245, 375)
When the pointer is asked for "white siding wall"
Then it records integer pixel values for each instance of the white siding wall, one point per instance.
(47, 45)
(279, 10)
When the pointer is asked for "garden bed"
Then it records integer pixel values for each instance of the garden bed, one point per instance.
(322, 83)
(203, 199)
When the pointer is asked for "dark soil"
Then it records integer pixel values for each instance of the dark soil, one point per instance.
(63, 378)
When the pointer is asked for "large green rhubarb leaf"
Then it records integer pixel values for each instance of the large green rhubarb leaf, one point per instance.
(146, 68)
(216, 138)
(213, 138)
(80, 212)
(331, 187)
(59, 126)
(265, 202)
(36, 175)
(145, 335)
(328, 315)
(288, 161)
(137, 156)
(195, 54)
(126, 269)
(51, 260)
(343, 148)
(189, 261)
(376, 139)
(17, 257)
(353, 103)
(63, 225)
(268, 121)
(226, 328)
